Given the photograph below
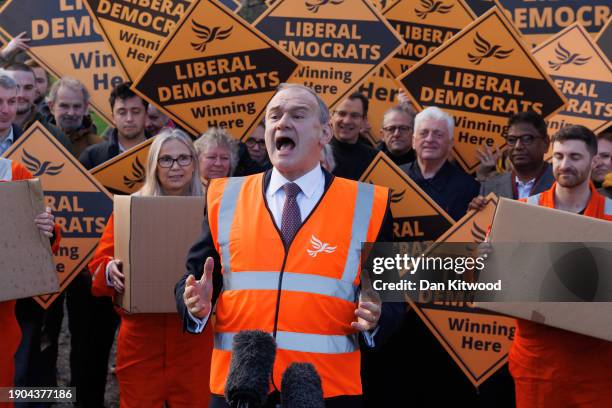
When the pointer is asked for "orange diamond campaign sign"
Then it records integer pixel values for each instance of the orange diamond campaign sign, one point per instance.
(416, 216)
(66, 42)
(583, 73)
(79, 202)
(481, 76)
(339, 42)
(538, 20)
(134, 31)
(215, 71)
(424, 25)
(477, 340)
(125, 173)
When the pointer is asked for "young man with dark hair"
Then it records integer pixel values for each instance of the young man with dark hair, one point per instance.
(348, 119)
(129, 116)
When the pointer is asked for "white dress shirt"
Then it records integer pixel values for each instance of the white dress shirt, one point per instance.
(312, 185)
(524, 188)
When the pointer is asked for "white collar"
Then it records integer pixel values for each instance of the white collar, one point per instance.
(521, 183)
(308, 182)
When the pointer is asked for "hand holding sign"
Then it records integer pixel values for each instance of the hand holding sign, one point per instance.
(115, 276)
(45, 222)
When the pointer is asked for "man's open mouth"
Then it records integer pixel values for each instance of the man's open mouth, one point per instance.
(284, 143)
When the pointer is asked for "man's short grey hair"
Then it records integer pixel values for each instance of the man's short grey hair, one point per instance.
(435, 113)
(217, 137)
(402, 109)
(323, 109)
(6, 80)
(69, 83)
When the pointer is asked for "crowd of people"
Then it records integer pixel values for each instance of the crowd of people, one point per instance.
(301, 155)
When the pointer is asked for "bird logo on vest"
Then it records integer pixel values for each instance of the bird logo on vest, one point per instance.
(319, 246)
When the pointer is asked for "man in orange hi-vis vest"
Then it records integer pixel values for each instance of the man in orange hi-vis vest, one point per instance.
(553, 367)
(280, 252)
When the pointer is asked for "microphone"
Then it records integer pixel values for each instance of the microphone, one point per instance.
(253, 354)
(301, 387)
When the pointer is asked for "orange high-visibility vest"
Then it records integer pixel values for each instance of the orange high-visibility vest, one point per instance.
(305, 294)
(557, 368)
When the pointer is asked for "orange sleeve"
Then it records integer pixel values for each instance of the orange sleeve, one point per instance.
(57, 238)
(20, 172)
(103, 255)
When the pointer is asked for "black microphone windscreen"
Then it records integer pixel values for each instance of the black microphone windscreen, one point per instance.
(301, 387)
(253, 354)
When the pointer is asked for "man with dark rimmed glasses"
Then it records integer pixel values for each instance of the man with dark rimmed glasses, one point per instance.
(528, 142)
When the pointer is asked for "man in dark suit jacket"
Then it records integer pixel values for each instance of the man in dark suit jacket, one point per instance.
(528, 142)
(296, 130)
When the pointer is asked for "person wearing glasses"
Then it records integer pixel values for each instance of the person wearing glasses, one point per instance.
(528, 142)
(256, 147)
(154, 356)
(396, 134)
(352, 156)
(217, 154)
(445, 183)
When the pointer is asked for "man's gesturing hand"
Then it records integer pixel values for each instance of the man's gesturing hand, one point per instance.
(198, 293)
(368, 314)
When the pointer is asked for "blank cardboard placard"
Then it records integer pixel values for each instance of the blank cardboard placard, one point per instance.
(152, 238)
(80, 204)
(551, 225)
(26, 261)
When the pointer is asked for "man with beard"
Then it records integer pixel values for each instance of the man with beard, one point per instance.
(42, 86)
(27, 113)
(68, 103)
(553, 367)
(527, 140)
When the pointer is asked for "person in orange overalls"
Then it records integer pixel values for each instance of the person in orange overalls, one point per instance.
(11, 333)
(155, 358)
(553, 367)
